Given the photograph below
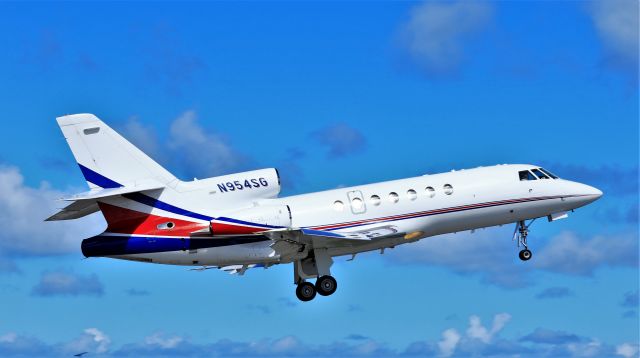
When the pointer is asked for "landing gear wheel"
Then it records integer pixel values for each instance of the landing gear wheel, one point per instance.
(326, 285)
(525, 255)
(305, 291)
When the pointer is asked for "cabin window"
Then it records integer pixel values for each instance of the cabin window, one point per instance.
(448, 189)
(375, 200)
(411, 194)
(540, 174)
(526, 175)
(356, 204)
(393, 197)
(548, 173)
(431, 192)
(338, 205)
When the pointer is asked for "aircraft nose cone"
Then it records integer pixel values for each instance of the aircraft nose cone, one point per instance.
(595, 192)
(586, 194)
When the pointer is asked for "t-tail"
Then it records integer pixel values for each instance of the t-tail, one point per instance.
(106, 159)
(111, 165)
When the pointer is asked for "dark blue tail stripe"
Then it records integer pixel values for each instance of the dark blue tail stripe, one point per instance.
(98, 179)
(104, 182)
(155, 203)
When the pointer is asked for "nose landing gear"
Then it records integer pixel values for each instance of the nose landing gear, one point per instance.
(520, 233)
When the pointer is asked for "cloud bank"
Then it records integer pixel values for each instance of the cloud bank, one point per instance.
(436, 33)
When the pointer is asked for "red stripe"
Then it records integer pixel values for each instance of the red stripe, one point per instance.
(432, 212)
(126, 221)
(221, 228)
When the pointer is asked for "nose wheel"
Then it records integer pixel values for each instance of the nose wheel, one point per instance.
(524, 255)
(520, 233)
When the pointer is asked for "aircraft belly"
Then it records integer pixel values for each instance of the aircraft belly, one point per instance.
(258, 252)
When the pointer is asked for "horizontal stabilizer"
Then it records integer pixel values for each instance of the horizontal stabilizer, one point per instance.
(95, 194)
(76, 210)
(87, 203)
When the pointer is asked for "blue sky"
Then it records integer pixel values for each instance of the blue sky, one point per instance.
(332, 94)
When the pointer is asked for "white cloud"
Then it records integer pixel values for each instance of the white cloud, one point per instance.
(92, 340)
(55, 283)
(158, 339)
(487, 253)
(627, 350)
(491, 254)
(566, 253)
(477, 331)
(201, 151)
(23, 210)
(144, 137)
(8, 337)
(592, 348)
(340, 139)
(449, 342)
(435, 33)
(617, 25)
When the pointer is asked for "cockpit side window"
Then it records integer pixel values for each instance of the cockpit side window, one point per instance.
(540, 174)
(526, 175)
(548, 173)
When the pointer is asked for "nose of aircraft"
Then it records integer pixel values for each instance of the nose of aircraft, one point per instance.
(586, 193)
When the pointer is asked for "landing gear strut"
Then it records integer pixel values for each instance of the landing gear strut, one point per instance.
(317, 264)
(520, 233)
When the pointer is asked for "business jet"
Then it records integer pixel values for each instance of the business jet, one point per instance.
(237, 222)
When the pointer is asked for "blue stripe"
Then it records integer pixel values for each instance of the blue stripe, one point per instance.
(103, 245)
(155, 203)
(104, 182)
(450, 210)
(322, 233)
(98, 179)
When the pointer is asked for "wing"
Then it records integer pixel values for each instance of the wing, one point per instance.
(289, 243)
(304, 235)
(231, 269)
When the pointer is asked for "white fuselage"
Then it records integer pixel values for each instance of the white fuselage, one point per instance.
(415, 208)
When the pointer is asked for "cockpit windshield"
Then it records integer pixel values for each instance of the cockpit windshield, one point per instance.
(526, 175)
(540, 173)
(548, 173)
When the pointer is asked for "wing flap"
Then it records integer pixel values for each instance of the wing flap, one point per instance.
(299, 234)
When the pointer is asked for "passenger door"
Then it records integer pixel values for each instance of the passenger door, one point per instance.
(356, 202)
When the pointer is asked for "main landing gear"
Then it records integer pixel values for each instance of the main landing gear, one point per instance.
(317, 264)
(325, 286)
(520, 233)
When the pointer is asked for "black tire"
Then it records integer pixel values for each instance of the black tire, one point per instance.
(305, 291)
(525, 255)
(326, 285)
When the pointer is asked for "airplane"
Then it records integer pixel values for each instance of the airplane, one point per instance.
(237, 222)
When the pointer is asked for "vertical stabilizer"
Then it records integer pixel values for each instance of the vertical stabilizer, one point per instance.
(106, 159)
